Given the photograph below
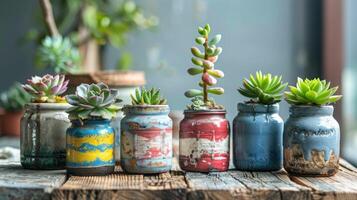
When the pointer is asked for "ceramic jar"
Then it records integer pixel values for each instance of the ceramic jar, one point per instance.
(204, 141)
(146, 139)
(90, 148)
(43, 136)
(258, 138)
(311, 141)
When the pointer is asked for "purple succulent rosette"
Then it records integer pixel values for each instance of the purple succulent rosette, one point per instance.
(46, 89)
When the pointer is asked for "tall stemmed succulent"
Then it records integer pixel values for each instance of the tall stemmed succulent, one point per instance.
(312, 92)
(263, 88)
(46, 89)
(205, 67)
(147, 97)
(95, 101)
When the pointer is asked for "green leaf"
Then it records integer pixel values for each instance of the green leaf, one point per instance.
(197, 61)
(216, 90)
(193, 93)
(215, 40)
(200, 40)
(196, 52)
(194, 71)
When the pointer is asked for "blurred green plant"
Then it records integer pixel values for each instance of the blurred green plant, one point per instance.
(106, 22)
(205, 61)
(263, 88)
(14, 99)
(312, 92)
(58, 53)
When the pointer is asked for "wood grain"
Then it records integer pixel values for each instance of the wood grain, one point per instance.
(18, 183)
(119, 185)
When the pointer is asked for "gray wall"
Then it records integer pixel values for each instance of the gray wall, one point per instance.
(272, 36)
(277, 36)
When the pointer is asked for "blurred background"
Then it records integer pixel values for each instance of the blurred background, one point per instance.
(289, 37)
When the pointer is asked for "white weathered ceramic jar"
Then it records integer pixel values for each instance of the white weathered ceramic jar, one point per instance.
(43, 136)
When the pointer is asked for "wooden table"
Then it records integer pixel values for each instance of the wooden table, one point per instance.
(18, 183)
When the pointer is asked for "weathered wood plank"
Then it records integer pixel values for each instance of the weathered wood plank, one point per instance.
(244, 185)
(341, 186)
(18, 183)
(124, 186)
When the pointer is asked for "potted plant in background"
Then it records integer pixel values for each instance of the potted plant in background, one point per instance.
(90, 139)
(204, 131)
(258, 128)
(44, 124)
(13, 102)
(146, 134)
(311, 134)
(92, 27)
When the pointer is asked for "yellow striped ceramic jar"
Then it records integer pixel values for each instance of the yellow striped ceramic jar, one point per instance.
(90, 148)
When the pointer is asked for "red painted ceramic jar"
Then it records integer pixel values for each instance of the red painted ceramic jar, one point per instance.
(204, 141)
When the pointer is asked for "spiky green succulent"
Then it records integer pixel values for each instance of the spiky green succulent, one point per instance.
(46, 89)
(263, 88)
(204, 62)
(59, 54)
(95, 101)
(312, 92)
(14, 99)
(147, 97)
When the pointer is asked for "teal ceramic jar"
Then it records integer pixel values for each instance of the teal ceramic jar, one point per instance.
(146, 139)
(258, 138)
(90, 148)
(43, 136)
(311, 141)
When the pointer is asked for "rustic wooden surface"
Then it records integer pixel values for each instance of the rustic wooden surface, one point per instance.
(17, 183)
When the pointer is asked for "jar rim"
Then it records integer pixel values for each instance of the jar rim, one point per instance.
(258, 108)
(146, 109)
(48, 106)
(207, 112)
(311, 110)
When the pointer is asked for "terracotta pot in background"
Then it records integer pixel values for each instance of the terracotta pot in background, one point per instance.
(10, 123)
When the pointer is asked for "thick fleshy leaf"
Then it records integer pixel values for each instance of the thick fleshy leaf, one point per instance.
(193, 93)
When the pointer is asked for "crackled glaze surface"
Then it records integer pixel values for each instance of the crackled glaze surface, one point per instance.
(311, 141)
(204, 141)
(146, 139)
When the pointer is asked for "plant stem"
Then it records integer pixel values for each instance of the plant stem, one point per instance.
(48, 17)
(205, 93)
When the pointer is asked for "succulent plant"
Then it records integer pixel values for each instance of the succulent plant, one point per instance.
(312, 92)
(147, 97)
(14, 99)
(263, 88)
(95, 101)
(205, 67)
(46, 89)
(58, 53)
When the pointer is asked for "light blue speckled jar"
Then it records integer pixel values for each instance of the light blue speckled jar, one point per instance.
(258, 137)
(146, 139)
(311, 141)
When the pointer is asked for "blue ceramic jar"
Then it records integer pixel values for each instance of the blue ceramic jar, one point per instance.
(90, 148)
(146, 139)
(257, 137)
(311, 141)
